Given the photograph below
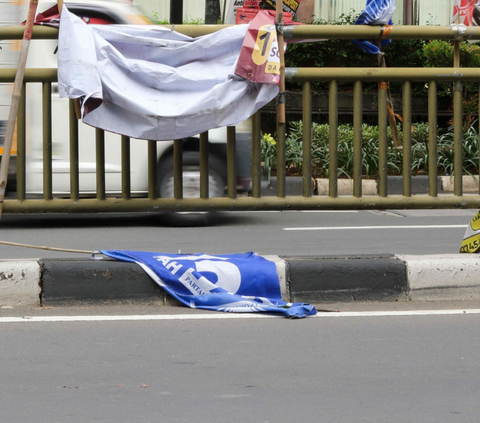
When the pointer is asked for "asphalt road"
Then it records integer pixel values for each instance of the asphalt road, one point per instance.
(283, 233)
(332, 368)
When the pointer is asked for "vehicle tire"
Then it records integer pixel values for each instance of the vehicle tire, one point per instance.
(191, 176)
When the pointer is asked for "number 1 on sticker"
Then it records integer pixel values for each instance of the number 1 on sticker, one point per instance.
(263, 44)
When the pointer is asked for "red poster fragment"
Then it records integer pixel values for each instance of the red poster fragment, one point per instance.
(259, 59)
(463, 11)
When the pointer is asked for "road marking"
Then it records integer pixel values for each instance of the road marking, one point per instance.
(206, 316)
(398, 313)
(295, 211)
(320, 211)
(225, 316)
(345, 228)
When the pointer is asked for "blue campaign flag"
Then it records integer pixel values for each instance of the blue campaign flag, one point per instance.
(377, 12)
(236, 283)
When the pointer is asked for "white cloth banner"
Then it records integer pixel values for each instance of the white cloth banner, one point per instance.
(150, 82)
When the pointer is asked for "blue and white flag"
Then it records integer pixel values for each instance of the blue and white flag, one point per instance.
(377, 12)
(235, 283)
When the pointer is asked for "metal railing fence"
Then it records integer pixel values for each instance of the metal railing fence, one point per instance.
(255, 201)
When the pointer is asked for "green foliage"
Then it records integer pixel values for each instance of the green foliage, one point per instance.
(399, 53)
(343, 53)
(439, 53)
(471, 155)
(334, 53)
(329, 53)
(370, 162)
(469, 148)
(269, 154)
(159, 20)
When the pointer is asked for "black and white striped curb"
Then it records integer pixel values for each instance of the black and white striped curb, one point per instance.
(315, 280)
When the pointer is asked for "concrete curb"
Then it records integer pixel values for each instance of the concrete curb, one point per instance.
(420, 185)
(323, 279)
(20, 283)
(347, 278)
(443, 277)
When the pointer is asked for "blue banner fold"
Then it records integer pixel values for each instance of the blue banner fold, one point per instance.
(236, 283)
(376, 12)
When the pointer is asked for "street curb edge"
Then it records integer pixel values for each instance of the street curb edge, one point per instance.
(51, 282)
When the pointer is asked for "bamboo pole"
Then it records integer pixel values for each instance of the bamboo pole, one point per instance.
(17, 91)
(392, 121)
(382, 63)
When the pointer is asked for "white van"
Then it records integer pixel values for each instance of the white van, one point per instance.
(42, 55)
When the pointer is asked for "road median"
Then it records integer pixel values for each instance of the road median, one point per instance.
(311, 279)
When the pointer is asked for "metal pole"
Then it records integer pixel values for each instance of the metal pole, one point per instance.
(281, 174)
(458, 137)
(212, 11)
(357, 138)
(458, 121)
(307, 139)
(178, 169)
(407, 12)
(152, 170)
(407, 139)
(100, 163)
(432, 138)
(224, 11)
(256, 157)
(21, 148)
(176, 11)
(333, 140)
(17, 92)
(204, 171)
(47, 141)
(382, 142)
(126, 168)
(231, 168)
(456, 47)
(74, 154)
(245, 203)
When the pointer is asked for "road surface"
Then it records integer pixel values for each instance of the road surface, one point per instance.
(282, 233)
(187, 367)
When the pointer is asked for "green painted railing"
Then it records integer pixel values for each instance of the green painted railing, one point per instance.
(254, 201)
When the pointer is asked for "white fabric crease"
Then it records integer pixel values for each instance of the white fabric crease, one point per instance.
(154, 83)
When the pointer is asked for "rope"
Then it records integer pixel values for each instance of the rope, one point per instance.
(66, 250)
(383, 85)
(385, 32)
(389, 108)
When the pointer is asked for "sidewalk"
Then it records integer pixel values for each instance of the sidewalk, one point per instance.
(315, 280)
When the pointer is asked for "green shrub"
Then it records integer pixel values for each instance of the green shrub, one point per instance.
(343, 53)
(159, 20)
(370, 163)
(399, 53)
(469, 147)
(438, 53)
